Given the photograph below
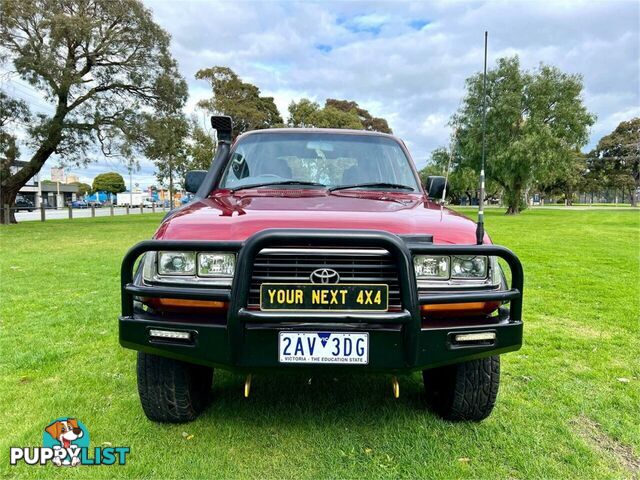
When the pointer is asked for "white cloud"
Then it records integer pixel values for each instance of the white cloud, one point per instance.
(412, 76)
(406, 61)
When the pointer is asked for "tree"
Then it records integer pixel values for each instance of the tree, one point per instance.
(100, 65)
(238, 99)
(369, 122)
(437, 165)
(83, 188)
(331, 117)
(166, 145)
(12, 112)
(570, 180)
(334, 114)
(302, 114)
(201, 148)
(177, 145)
(308, 114)
(535, 122)
(463, 181)
(617, 158)
(110, 182)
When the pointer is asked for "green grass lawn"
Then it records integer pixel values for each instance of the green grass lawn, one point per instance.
(569, 402)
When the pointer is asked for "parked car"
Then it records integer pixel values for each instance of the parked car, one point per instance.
(317, 249)
(79, 204)
(23, 203)
(94, 203)
(148, 203)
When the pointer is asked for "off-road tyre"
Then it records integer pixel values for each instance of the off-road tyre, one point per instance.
(465, 391)
(172, 391)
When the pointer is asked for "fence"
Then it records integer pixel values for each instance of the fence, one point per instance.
(56, 213)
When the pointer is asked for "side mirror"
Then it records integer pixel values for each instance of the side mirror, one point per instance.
(223, 124)
(193, 179)
(435, 186)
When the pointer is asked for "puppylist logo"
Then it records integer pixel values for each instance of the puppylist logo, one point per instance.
(65, 442)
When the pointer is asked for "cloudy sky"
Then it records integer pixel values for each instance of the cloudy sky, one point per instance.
(404, 61)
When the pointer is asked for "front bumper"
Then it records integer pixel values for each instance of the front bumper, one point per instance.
(248, 339)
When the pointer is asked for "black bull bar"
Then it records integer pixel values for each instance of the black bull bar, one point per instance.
(239, 316)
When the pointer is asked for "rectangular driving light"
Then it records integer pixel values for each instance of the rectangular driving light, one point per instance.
(431, 267)
(216, 264)
(171, 334)
(475, 337)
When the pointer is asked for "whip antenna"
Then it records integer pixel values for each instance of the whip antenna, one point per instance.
(480, 227)
(452, 149)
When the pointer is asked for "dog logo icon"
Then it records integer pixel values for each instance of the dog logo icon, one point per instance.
(66, 436)
(65, 442)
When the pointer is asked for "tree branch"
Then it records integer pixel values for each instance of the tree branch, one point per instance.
(114, 86)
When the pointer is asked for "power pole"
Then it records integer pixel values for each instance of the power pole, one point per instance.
(39, 199)
(170, 185)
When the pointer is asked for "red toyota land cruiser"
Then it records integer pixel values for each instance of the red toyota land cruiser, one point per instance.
(317, 249)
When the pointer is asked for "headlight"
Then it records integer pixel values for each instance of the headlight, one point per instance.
(460, 267)
(216, 264)
(427, 266)
(177, 263)
(468, 266)
(205, 268)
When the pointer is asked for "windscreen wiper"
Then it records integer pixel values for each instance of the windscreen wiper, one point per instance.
(395, 186)
(284, 182)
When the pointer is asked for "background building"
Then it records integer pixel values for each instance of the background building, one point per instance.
(51, 194)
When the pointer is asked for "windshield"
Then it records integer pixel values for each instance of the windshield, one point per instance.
(319, 160)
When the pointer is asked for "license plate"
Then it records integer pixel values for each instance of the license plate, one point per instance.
(310, 296)
(324, 348)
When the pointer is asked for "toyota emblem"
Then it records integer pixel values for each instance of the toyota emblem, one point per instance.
(324, 275)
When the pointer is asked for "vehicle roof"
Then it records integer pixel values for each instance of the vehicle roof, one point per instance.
(338, 131)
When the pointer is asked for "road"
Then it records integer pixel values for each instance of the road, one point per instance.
(79, 213)
(104, 212)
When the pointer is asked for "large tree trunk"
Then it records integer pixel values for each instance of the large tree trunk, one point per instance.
(513, 210)
(514, 201)
(568, 195)
(7, 197)
(633, 198)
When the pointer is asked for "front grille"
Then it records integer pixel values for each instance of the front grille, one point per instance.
(355, 265)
